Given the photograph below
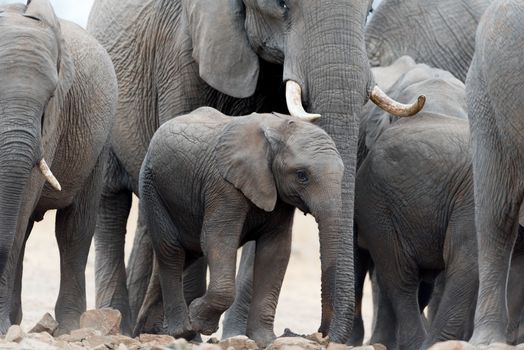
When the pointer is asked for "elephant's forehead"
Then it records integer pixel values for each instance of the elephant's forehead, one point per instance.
(26, 35)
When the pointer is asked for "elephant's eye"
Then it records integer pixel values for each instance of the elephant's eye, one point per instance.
(302, 176)
(283, 4)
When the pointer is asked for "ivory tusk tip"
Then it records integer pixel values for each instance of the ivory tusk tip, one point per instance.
(44, 169)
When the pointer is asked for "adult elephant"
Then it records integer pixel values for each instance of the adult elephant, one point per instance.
(174, 56)
(439, 33)
(58, 95)
(494, 89)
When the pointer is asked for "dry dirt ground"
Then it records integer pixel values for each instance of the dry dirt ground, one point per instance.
(298, 309)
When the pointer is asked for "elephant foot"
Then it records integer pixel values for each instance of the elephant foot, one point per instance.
(262, 337)
(488, 334)
(181, 331)
(5, 323)
(203, 317)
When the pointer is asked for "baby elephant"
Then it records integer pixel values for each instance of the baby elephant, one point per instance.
(209, 183)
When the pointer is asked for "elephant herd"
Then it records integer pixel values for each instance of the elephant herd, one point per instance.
(399, 133)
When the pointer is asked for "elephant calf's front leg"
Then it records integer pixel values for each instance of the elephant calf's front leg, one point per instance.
(221, 238)
(271, 259)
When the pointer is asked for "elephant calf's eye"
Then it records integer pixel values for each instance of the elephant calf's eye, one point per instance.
(283, 4)
(302, 176)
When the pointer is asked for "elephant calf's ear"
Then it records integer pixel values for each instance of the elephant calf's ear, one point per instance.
(243, 159)
(221, 48)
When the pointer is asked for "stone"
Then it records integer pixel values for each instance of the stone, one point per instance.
(14, 334)
(46, 324)
(337, 346)
(292, 343)
(239, 342)
(207, 346)
(318, 338)
(181, 344)
(500, 346)
(159, 339)
(80, 334)
(452, 345)
(106, 321)
(42, 336)
(379, 346)
(122, 346)
(122, 339)
(31, 344)
(362, 347)
(10, 346)
(96, 340)
(101, 347)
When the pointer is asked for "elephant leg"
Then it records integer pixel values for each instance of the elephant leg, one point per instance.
(75, 226)
(271, 259)
(384, 320)
(222, 234)
(454, 316)
(235, 319)
(498, 202)
(110, 277)
(15, 314)
(139, 268)
(435, 296)
(401, 288)
(151, 316)
(516, 292)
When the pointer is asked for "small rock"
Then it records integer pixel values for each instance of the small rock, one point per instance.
(31, 344)
(106, 321)
(318, 338)
(239, 342)
(292, 343)
(181, 344)
(213, 340)
(379, 346)
(42, 336)
(10, 346)
(337, 346)
(122, 339)
(160, 339)
(46, 324)
(14, 334)
(363, 347)
(207, 346)
(452, 345)
(101, 347)
(122, 347)
(96, 340)
(500, 346)
(80, 334)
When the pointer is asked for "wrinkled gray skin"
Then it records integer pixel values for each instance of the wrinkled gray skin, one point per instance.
(174, 56)
(237, 180)
(439, 33)
(58, 95)
(414, 211)
(496, 105)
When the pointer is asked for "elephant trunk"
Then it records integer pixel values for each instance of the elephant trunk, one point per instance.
(336, 80)
(20, 151)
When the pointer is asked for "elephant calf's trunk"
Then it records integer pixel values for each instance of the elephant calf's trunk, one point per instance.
(44, 169)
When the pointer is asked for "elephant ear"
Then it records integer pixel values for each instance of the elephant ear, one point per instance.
(43, 11)
(221, 48)
(243, 156)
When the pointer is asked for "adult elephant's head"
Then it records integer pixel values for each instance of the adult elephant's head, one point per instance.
(320, 44)
(35, 74)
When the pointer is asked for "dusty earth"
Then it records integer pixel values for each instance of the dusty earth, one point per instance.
(298, 309)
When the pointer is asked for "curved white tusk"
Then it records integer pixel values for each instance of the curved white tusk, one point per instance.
(391, 106)
(294, 102)
(44, 169)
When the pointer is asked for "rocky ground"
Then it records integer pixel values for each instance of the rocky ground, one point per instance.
(99, 331)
